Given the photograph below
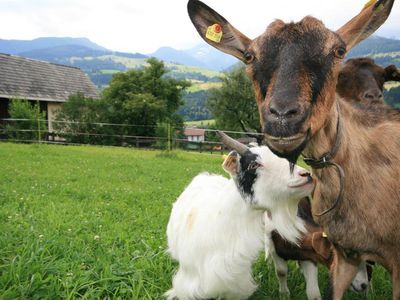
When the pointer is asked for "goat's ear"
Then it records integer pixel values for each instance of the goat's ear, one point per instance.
(230, 163)
(321, 245)
(392, 73)
(216, 30)
(371, 17)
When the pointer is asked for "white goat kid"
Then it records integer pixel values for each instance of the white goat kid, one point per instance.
(216, 226)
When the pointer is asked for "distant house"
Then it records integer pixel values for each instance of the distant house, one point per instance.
(194, 134)
(47, 83)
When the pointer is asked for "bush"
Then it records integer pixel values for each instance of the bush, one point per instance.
(75, 121)
(30, 124)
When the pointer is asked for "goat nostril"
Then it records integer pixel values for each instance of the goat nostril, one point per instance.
(368, 96)
(291, 112)
(273, 111)
(364, 286)
(373, 95)
(283, 111)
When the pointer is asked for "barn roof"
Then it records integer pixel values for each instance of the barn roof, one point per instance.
(189, 131)
(37, 80)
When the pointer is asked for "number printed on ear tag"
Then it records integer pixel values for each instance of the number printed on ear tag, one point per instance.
(214, 33)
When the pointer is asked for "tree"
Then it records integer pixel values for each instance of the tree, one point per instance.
(75, 120)
(392, 97)
(138, 100)
(233, 106)
(30, 121)
(144, 98)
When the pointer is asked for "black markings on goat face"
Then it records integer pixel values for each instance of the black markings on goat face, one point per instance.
(292, 73)
(247, 175)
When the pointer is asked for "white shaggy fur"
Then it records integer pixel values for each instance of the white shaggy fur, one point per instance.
(216, 231)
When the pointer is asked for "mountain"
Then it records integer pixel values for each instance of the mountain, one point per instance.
(203, 56)
(384, 51)
(212, 58)
(56, 53)
(96, 61)
(63, 52)
(100, 63)
(20, 46)
(375, 45)
(176, 56)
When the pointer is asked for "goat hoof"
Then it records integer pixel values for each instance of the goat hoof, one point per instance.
(284, 295)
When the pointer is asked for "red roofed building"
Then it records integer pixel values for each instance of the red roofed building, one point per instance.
(194, 134)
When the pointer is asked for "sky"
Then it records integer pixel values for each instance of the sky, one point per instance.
(144, 26)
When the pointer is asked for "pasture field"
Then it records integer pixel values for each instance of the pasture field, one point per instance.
(201, 86)
(89, 222)
(200, 123)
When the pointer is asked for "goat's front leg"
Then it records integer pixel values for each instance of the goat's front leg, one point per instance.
(396, 282)
(310, 272)
(281, 270)
(342, 274)
(268, 243)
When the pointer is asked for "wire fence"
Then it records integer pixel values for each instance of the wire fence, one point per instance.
(158, 136)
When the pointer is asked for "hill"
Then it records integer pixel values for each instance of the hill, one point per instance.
(203, 56)
(20, 46)
(177, 56)
(383, 50)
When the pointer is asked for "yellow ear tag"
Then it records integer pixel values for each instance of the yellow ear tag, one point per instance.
(214, 33)
(324, 234)
(379, 8)
(369, 3)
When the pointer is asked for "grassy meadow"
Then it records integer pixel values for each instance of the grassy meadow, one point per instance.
(89, 222)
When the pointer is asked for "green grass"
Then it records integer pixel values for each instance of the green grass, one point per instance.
(390, 85)
(200, 123)
(177, 68)
(386, 54)
(201, 86)
(187, 69)
(89, 222)
(131, 63)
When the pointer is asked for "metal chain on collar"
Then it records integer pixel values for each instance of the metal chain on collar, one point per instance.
(325, 161)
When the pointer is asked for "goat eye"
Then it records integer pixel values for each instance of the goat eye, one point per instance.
(248, 57)
(253, 165)
(340, 52)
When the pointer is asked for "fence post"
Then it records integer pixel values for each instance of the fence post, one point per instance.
(169, 137)
(38, 119)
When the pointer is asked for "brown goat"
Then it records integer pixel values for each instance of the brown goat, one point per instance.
(361, 80)
(295, 68)
(313, 248)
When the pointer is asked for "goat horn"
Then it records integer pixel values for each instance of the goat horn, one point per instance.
(232, 143)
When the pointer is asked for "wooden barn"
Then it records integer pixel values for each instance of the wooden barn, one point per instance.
(46, 83)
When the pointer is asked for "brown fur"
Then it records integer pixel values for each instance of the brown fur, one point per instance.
(313, 246)
(295, 70)
(366, 220)
(361, 80)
